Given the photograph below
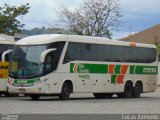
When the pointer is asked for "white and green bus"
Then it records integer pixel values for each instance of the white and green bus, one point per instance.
(64, 64)
(5, 48)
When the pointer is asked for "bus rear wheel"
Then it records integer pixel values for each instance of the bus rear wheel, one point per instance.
(137, 90)
(34, 97)
(128, 91)
(99, 95)
(66, 91)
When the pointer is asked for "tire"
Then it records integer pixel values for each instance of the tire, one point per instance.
(109, 95)
(120, 95)
(137, 90)
(34, 97)
(128, 91)
(99, 95)
(65, 92)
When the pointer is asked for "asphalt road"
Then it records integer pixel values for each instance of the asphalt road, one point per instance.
(82, 104)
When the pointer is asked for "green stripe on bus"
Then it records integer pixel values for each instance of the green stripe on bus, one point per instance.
(71, 68)
(117, 69)
(132, 68)
(89, 68)
(26, 81)
(113, 78)
(143, 69)
(103, 69)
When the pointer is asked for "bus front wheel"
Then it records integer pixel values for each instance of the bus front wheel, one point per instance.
(35, 97)
(66, 91)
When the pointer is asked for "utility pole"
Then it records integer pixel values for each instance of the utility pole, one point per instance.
(130, 30)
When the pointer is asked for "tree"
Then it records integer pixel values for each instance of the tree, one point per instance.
(9, 23)
(93, 18)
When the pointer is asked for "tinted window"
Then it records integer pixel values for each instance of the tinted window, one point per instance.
(49, 64)
(152, 54)
(131, 54)
(117, 54)
(142, 55)
(56, 55)
(89, 52)
(73, 52)
(99, 52)
(103, 53)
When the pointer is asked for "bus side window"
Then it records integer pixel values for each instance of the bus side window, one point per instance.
(73, 52)
(152, 55)
(142, 55)
(117, 54)
(131, 54)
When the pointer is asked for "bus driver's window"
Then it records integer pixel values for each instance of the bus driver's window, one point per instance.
(49, 63)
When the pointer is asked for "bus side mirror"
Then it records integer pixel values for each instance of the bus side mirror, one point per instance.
(44, 53)
(5, 54)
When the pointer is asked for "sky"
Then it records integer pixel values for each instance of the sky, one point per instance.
(138, 15)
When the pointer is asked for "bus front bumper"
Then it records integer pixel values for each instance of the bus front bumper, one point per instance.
(36, 89)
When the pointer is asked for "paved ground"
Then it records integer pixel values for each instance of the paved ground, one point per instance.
(81, 104)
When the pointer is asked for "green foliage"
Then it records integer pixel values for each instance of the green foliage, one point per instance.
(9, 24)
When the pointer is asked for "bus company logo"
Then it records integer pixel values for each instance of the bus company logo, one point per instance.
(83, 69)
(80, 68)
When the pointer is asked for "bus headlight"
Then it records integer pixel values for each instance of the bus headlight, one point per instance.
(10, 81)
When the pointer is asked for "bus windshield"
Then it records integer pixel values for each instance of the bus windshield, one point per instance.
(25, 61)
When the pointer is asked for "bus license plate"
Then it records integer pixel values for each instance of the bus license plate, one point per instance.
(21, 90)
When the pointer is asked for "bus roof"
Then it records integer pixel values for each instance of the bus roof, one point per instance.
(50, 38)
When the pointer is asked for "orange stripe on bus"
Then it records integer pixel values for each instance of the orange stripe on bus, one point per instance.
(124, 69)
(119, 79)
(75, 68)
(111, 69)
